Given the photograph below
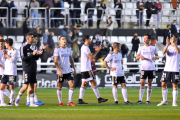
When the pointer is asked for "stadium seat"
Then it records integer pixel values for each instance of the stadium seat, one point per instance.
(160, 39)
(160, 54)
(55, 38)
(165, 19)
(112, 12)
(20, 39)
(129, 5)
(166, 5)
(127, 18)
(17, 45)
(122, 39)
(114, 39)
(22, 4)
(166, 12)
(127, 12)
(133, 18)
(66, 5)
(16, 3)
(129, 39)
(13, 37)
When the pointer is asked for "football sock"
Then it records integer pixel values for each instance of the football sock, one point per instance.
(164, 94)
(81, 92)
(19, 95)
(149, 91)
(124, 93)
(114, 91)
(31, 98)
(141, 93)
(174, 93)
(96, 91)
(7, 93)
(28, 99)
(2, 96)
(59, 94)
(71, 91)
(12, 96)
(35, 97)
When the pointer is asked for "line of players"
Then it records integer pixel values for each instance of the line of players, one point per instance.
(63, 60)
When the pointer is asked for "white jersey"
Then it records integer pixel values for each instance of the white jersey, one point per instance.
(85, 60)
(63, 55)
(148, 52)
(172, 60)
(1, 62)
(115, 61)
(11, 64)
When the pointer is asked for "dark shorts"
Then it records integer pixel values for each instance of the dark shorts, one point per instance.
(11, 79)
(67, 77)
(147, 74)
(29, 77)
(118, 80)
(85, 76)
(170, 77)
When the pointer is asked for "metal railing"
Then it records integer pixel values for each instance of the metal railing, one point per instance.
(55, 18)
(108, 13)
(40, 18)
(6, 18)
(11, 16)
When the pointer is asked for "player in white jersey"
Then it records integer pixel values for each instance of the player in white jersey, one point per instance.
(171, 70)
(148, 54)
(116, 72)
(6, 91)
(63, 60)
(10, 57)
(86, 70)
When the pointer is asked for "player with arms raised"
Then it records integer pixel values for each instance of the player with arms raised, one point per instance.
(148, 54)
(86, 70)
(171, 70)
(63, 59)
(117, 74)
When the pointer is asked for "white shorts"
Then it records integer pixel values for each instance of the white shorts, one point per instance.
(88, 79)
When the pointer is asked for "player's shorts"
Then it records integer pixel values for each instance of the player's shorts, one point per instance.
(170, 77)
(10, 79)
(118, 80)
(67, 77)
(147, 74)
(29, 77)
(87, 76)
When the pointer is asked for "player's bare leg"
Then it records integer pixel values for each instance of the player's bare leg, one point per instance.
(175, 94)
(141, 91)
(2, 87)
(71, 91)
(164, 94)
(96, 91)
(59, 93)
(21, 92)
(149, 91)
(81, 92)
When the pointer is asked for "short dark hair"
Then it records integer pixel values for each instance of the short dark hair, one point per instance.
(1, 40)
(117, 44)
(174, 20)
(61, 37)
(85, 37)
(9, 41)
(30, 33)
(109, 17)
(168, 25)
(2, 35)
(149, 36)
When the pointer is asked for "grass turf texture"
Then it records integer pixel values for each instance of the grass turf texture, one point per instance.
(93, 110)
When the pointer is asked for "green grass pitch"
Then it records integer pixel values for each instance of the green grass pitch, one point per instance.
(94, 110)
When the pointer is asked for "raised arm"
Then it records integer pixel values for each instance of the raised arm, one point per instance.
(167, 44)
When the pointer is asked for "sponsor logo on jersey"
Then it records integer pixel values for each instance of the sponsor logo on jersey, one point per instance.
(64, 55)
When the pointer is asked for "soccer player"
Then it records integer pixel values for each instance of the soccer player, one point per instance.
(10, 57)
(86, 70)
(117, 74)
(37, 102)
(29, 65)
(171, 70)
(6, 91)
(148, 54)
(63, 59)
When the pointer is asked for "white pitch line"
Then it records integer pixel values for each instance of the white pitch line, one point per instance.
(89, 109)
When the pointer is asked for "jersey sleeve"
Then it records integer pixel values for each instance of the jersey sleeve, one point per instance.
(139, 51)
(155, 52)
(70, 51)
(56, 52)
(108, 58)
(14, 56)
